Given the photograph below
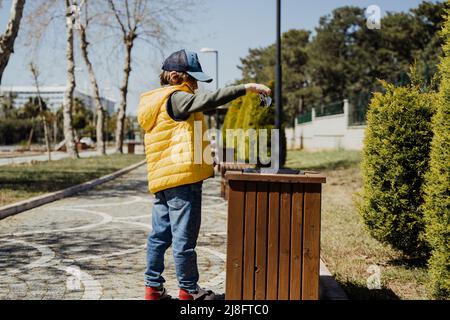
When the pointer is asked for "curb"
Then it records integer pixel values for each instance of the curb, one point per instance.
(329, 288)
(28, 204)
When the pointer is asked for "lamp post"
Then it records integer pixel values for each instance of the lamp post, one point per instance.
(210, 50)
(277, 148)
(278, 112)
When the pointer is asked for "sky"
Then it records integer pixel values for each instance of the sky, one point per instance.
(229, 26)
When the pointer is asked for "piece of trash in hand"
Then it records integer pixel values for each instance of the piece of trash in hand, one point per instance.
(265, 101)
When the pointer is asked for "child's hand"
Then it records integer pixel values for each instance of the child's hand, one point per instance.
(257, 88)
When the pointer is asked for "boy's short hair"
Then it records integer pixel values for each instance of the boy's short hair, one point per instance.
(164, 78)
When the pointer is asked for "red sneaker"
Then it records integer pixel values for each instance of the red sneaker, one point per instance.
(184, 295)
(152, 293)
(200, 294)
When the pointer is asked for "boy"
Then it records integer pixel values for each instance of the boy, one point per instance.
(169, 116)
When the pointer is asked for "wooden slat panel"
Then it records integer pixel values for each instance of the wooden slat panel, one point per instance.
(287, 178)
(249, 241)
(285, 242)
(235, 237)
(311, 242)
(261, 242)
(296, 242)
(272, 241)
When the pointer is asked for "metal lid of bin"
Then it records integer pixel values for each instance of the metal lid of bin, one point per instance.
(308, 177)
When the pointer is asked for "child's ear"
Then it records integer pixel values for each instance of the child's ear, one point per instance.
(174, 77)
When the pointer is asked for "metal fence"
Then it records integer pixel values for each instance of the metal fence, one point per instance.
(357, 115)
(304, 117)
(330, 109)
(358, 109)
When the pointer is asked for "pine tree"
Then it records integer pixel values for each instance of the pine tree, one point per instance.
(437, 189)
(395, 160)
(246, 113)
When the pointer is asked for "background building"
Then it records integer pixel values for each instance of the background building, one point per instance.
(53, 96)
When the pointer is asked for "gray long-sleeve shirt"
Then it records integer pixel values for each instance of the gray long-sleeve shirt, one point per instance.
(181, 104)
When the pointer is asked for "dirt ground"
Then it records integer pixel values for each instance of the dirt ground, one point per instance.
(353, 256)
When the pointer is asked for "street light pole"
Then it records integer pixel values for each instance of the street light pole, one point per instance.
(278, 97)
(209, 50)
(217, 87)
(276, 147)
(278, 102)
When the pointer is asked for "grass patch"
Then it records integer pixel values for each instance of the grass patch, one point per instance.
(346, 247)
(323, 159)
(22, 181)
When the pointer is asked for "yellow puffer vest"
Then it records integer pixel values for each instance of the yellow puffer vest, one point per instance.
(172, 159)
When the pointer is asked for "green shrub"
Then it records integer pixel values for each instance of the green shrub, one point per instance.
(231, 116)
(230, 120)
(243, 105)
(13, 131)
(250, 114)
(437, 187)
(246, 113)
(395, 160)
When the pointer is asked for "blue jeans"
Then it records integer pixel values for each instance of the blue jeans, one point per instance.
(176, 220)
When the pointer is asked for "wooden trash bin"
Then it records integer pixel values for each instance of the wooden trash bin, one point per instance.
(273, 250)
(230, 166)
(131, 147)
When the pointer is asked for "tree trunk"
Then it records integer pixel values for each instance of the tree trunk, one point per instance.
(46, 134)
(100, 127)
(30, 138)
(120, 126)
(45, 124)
(70, 87)
(55, 131)
(8, 38)
(34, 72)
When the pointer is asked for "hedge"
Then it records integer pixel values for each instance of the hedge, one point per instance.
(14, 131)
(437, 188)
(246, 113)
(395, 160)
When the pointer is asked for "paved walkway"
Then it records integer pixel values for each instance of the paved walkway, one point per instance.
(92, 246)
(58, 155)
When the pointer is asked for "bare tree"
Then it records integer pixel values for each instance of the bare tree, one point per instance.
(41, 18)
(71, 147)
(8, 38)
(149, 21)
(84, 44)
(35, 74)
(129, 34)
(153, 22)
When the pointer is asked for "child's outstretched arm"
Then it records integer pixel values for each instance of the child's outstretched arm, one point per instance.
(182, 104)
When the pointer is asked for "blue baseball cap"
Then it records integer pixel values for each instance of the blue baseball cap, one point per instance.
(186, 61)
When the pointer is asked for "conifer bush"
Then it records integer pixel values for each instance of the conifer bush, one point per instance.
(231, 115)
(437, 187)
(246, 113)
(395, 160)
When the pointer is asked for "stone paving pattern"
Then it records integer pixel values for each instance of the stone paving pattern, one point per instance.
(92, 245)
